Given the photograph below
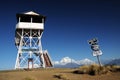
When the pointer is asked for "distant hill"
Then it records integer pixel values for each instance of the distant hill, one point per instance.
(113, 62)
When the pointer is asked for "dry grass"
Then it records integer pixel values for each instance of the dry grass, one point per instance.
(28, 78)
(113, 68)
(61, 76)
(96, 69)
(58, 74)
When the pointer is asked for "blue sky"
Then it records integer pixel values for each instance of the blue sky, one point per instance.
(69, 24)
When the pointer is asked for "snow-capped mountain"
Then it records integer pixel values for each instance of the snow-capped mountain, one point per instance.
(67, 62)
(85, 62)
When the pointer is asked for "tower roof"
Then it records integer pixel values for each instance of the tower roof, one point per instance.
(31, 13)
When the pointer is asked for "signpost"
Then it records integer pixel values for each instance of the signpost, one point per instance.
(95, 48)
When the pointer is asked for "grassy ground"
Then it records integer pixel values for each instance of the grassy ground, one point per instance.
(55, 74)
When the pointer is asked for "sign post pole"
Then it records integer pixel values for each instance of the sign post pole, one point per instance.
(95, 48)
(98, 58)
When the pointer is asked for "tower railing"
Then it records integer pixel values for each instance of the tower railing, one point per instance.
(27, 25)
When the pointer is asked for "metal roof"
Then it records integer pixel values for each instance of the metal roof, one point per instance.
(31, 13)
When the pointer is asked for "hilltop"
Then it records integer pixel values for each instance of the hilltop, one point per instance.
(55, 74)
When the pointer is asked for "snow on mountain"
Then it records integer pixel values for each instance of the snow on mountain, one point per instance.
(70, 63)
(67, 60)
(85, 62)
(56, 62)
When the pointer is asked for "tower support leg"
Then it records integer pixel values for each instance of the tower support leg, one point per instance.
(17, 64)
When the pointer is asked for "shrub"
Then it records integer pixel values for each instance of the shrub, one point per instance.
(113, 68)
(96, 69)
(91, 70)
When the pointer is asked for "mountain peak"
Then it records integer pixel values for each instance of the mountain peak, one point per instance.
(85, 61)
(69, 62)
(66, 60)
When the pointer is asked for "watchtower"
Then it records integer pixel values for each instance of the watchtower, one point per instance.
(28, 34)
